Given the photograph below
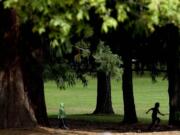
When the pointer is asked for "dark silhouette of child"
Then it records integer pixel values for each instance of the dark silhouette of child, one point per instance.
(155, 112)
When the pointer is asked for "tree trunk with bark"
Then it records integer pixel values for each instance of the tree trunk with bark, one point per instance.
(16, 110)
(15, 106)
(104, 103)
(32, 54)
(174, 92)
(127, 87)
(35, 85)
(36, 94)
(173, 69)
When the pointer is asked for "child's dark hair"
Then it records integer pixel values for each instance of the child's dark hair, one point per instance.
(157, 104)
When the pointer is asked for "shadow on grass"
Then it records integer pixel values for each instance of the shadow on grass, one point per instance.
(113, 123)
(91, 118)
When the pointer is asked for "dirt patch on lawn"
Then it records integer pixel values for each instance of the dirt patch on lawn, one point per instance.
(53, 131)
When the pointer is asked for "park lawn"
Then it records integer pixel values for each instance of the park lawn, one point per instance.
(81, 101)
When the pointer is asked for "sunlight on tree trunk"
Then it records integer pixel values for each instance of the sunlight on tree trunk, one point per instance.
(16, 110)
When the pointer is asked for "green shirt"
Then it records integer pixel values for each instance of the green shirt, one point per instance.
(62, 113)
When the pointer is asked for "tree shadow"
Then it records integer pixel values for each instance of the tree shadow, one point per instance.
(38, 131)
(112, 123)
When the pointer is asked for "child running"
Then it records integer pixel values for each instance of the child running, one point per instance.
(155, 112)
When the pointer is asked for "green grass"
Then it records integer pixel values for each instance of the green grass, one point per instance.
(81, 101)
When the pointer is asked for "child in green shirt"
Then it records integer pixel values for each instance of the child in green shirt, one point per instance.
(62, 116)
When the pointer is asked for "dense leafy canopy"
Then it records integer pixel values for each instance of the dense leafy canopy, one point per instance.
(62, 20)
(165, 11)
(58, 17)
(144, 15)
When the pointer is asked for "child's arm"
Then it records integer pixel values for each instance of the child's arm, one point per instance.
(161, 113)
(149, 110)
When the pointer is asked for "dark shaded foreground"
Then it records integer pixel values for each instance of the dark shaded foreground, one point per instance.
(77, 127)
(112, 127)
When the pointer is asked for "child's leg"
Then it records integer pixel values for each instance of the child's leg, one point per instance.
(152, 123)
(60, 124)
(158, 121)
(64, 124)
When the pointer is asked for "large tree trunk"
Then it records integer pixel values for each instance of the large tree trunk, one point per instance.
(16, 108)
(173, 69)
(35, 84)
(36, 94)
(104, 103)
(174, 92)
(127, 87)
(32, 54)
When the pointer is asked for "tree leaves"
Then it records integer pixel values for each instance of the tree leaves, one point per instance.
(58, 17)
(107, 61)
(9, 3)
(167, 11)
(122, 10)
(108, 22)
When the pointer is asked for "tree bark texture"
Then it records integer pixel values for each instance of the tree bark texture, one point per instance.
(16, 110)
(127, 87)
(173, 69)
(32, 54)
(15, 106)
(35, 86)
(104, 103)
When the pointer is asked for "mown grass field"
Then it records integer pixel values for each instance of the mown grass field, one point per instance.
(81, 100)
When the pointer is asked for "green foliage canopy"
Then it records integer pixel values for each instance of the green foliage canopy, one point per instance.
(107, 61)
(58, 17)
(152, 13)
(165, 11)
